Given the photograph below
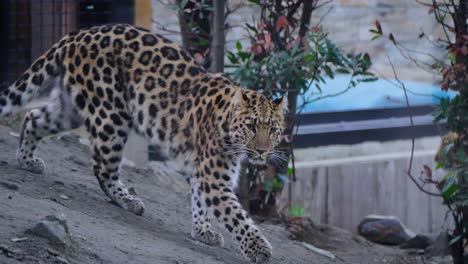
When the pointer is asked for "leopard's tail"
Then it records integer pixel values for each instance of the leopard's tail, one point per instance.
(41, 73)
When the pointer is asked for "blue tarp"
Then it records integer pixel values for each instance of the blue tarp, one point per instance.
(371, 95)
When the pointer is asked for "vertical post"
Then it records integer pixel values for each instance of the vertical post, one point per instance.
(461, 30)
(137, 148)
(143, 14)
(217, 49)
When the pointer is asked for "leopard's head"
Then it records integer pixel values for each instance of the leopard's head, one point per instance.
(257, 125)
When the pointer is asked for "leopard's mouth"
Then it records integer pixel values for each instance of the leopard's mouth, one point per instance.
(257, 159)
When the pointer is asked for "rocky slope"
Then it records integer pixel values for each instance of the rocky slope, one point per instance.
(103, 233)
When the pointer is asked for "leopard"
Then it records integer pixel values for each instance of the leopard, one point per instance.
(117, 78)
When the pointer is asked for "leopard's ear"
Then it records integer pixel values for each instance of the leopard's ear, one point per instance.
(281, 104)
(238, 102)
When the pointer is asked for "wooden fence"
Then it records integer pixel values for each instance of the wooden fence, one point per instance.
(341, 192)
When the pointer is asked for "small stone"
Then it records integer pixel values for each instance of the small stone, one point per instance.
(417, 242)
(9, 185)
(61, 260)
(61, 218)
(64, 197)
(440, 247)
(19, 239)
(74, 169)
(54, 228)
(9, 197)
(59, 183)
(77, 160)
(14, 134)
(69, 138)
(132, 191)
(53, 252)
(4, 249)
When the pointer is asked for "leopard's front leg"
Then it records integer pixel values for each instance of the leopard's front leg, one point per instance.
(213, 183)
(201, 225)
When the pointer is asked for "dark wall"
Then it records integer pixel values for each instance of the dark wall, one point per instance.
(4, 7)
(96, 12)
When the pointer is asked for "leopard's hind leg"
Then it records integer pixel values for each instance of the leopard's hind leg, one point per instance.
(50, 119)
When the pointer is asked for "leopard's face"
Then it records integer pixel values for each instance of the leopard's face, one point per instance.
(257, 126)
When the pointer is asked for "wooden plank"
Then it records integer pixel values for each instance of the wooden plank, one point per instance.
(341, 194)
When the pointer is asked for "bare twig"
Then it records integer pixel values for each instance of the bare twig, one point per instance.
(413, 139)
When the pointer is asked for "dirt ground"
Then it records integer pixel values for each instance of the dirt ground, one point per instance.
(104, 233)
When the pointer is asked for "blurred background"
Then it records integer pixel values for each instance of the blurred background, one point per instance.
(351, 150)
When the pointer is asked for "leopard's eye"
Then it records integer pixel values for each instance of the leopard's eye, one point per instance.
(250, 126)
(273, 129)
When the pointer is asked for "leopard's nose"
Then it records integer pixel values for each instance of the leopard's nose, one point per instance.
(261, 151)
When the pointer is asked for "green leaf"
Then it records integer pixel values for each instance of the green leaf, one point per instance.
(450, 192)
(267, 184)
(254, 29)
(343, 70)
(203, 43)
(277, 184)
(308, 57)
(232, 57)
(296, 210)
(455, 240)
(239, 46)
(328, 71)
(369, 79)
(450, 186)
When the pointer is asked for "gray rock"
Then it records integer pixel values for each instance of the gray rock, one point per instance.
(11, 252)
(383, 230)
(54, 228)
(77, 160)
(53, 252)
(61, 260)
(4, 249)
(440, 246)
(417, 242)
(9, 185)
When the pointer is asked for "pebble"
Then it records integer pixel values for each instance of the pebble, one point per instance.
(420, 241)
(61, 260)
(53, 252)
(4, 248)
(19, 239)
(64, 197)
(132, 191)
(9, 185)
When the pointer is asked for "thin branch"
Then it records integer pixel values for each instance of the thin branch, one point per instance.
(413, 139)
(335, 94)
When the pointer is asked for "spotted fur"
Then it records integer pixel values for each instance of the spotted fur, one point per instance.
(118, 78)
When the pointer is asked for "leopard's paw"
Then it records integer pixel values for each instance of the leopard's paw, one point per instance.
(257, 249)
(132, 204)
(209, 237)
(34, 164)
